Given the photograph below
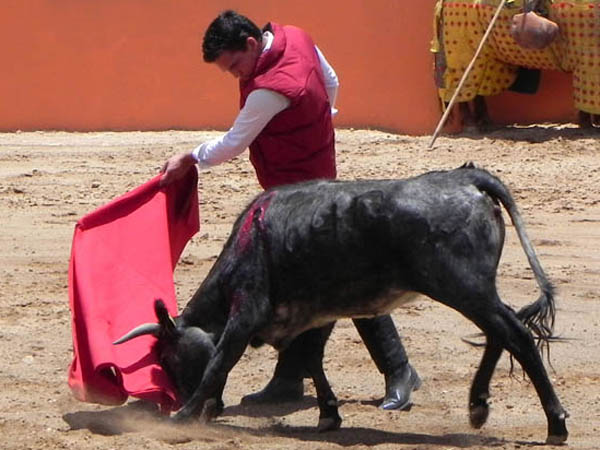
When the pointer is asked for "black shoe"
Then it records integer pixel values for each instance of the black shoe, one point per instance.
(279, 389)
(398, 388)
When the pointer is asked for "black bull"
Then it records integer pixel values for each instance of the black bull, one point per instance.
(302, 256)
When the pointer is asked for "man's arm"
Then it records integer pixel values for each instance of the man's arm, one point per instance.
(260, 107)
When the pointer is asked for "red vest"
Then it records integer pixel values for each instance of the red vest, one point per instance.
(298, 144)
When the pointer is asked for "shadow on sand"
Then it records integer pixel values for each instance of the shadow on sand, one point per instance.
(529, 133)
(142, 417)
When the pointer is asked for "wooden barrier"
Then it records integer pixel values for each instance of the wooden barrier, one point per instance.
(137, 65)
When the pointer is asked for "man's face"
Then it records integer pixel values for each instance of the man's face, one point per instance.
(240, 64)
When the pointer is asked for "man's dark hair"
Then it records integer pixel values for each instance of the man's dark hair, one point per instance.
(228, 32)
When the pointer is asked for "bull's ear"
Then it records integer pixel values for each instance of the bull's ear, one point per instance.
(167, 324)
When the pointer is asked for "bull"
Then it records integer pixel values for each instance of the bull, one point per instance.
(301, 256)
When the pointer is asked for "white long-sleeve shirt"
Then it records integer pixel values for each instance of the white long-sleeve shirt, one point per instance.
(260, 107)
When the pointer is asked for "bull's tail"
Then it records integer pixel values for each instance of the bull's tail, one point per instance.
(539, 315)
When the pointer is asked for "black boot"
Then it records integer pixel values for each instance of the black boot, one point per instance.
(287, 383)
(279, 389)
(385, 347)
(398, 387)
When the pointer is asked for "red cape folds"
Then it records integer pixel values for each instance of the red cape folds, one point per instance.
(122, 259)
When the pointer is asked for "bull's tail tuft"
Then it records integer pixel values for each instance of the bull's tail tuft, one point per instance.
(539, 317)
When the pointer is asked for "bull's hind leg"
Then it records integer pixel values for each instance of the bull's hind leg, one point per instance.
(501, 325)
(480, 389)
(329, 418)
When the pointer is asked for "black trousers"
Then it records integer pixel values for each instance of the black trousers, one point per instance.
(379, 335)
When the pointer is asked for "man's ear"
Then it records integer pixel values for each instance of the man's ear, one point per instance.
(252, 44)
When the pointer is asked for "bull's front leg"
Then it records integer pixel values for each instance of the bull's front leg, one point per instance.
(205, 400)
(249, 311)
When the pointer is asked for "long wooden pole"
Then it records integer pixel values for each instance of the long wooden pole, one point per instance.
(466, 74)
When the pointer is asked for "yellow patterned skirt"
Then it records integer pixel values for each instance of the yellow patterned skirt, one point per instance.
(460, 26)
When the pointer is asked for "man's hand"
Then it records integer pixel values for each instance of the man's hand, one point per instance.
(176, 167)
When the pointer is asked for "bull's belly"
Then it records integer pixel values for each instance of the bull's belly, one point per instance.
(293, 318)
(376, 307)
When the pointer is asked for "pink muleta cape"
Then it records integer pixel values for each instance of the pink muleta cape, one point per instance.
(122, 259)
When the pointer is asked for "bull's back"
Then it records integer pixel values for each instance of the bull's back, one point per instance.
(333, 242)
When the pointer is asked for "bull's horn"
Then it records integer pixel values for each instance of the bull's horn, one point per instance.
(146, 328)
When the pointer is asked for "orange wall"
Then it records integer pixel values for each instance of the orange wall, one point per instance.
(137, 65)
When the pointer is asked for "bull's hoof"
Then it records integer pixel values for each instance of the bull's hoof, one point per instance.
(557, 430)
(181, 418)
(329, 423)
(556, 440)
(478, 415)
(187, 414)
(212, 408)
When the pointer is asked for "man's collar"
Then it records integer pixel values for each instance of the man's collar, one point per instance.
(267, 41)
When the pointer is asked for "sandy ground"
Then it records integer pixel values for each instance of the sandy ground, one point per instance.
(49, 180)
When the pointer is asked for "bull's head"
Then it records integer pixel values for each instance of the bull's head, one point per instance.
(183, 352)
